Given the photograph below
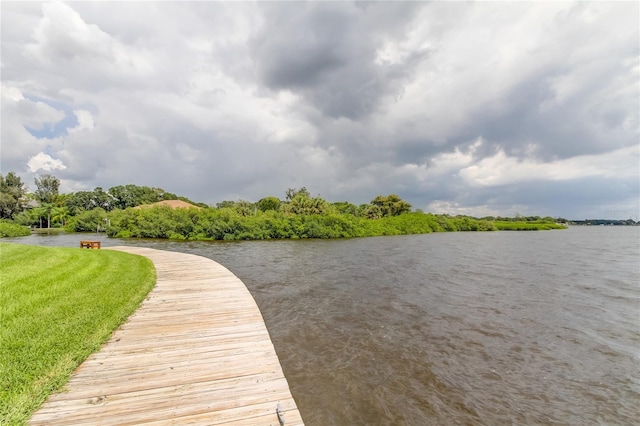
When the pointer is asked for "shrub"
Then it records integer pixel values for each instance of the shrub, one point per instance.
(8, 229)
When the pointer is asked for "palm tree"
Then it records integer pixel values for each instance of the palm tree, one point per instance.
(59, 214)
(48, 207)
(38, 213)
(303, 204)
(244, 208)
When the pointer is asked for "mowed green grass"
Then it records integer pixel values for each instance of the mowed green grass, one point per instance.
(57, 306)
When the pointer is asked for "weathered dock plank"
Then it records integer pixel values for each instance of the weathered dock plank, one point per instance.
(195, 352)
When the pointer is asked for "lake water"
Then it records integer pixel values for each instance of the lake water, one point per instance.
(451, 328)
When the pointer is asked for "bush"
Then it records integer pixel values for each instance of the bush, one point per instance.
(527, 226)
(87, 221)
(228, 223)
(8, 229)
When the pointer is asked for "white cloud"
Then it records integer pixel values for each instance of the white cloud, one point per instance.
(63, 43)
(85, 120)
(501, 169)
(45, 162)
(62, 33)
(11, 93)
(33, 114)
(453, 208)
(18, 145)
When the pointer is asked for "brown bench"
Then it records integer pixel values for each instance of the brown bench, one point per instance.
(89, 244)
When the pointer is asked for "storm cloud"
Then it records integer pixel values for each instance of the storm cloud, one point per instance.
(461, 108)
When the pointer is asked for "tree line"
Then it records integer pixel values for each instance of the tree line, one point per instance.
(120, 212)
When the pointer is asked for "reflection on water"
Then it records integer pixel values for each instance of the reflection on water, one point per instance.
(456, 328)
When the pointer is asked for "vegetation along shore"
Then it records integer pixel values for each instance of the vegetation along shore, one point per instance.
(131, 211)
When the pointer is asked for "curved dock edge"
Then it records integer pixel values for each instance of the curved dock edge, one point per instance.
(196, 351)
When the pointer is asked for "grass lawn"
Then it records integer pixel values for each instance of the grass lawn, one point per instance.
(57, 306)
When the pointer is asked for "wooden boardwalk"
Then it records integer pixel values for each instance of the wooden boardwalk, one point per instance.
(195, 352)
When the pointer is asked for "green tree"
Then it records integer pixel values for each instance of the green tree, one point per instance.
(391, 205)
(302, 203)
(244, 208)
(47, 187)
(59, 215)
(373, 212)
(89, 200)
(102, 199)
(26, 218)
(8, 206)
(12, 195)
(293, 192)
(38, 214)
(80, 201)
(345, 207)
(47, 208)
(161, 194)
(225, 204)
(133, 195)
(269, 203)
(87, 221)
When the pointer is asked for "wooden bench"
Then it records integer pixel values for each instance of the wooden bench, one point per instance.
(89, 244)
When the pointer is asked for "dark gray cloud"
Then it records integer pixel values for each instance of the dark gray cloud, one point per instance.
(327, 52)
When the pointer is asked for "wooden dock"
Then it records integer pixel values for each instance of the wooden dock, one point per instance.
(195, 352)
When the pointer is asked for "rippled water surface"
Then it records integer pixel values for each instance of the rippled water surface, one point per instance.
(452, 328)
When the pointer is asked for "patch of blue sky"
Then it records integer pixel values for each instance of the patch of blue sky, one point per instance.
(53, 130)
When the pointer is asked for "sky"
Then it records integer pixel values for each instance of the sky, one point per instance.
(481, 108)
